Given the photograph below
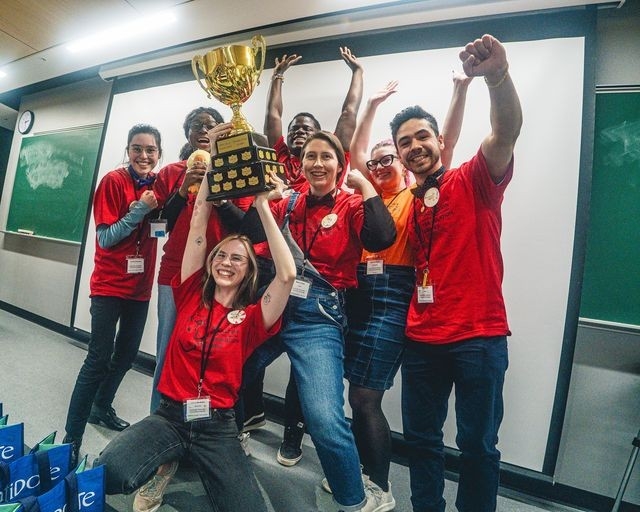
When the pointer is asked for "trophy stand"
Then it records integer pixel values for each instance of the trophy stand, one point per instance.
(627, 472)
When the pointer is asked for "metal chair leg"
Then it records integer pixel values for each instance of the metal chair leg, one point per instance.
(627, 472)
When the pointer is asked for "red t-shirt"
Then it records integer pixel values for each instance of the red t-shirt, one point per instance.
(232, 345)
(167, 183)
(334, 250)
(113, 196)
(465, 265)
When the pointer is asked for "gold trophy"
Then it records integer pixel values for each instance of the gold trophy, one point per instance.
(231, 73)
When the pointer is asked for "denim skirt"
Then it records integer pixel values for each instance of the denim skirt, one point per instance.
(377, 315)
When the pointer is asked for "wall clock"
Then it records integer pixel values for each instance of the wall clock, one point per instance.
(26, 121)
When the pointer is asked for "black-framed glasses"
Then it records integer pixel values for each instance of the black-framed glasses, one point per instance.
(196, 126)
(385, 161)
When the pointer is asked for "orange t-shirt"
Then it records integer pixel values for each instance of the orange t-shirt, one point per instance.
(400, 253)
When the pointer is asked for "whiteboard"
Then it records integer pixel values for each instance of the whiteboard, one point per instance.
(539, 211)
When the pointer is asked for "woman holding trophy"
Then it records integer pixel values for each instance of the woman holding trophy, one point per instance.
(218, 326)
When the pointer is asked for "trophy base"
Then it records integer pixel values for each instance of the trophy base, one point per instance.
(239, 139)
(243, 171)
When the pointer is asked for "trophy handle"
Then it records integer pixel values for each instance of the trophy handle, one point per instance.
(259, 45)
(196, 63)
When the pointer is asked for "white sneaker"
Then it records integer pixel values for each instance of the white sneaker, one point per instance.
(244, 437)
(327, 487)
(377, 499)
(149, 496)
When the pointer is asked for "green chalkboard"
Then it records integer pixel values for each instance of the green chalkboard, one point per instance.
(53, 183)
(611, 287)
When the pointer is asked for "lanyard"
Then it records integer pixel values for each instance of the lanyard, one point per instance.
(388, 205)
(207, 346)
(307, 250)
(427, 249)
(419, 231)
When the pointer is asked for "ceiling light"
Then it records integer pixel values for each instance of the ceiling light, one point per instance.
(117, 34)
(2, 74)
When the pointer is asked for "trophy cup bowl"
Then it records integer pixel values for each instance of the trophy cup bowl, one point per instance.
(231, 73)
(242, 165)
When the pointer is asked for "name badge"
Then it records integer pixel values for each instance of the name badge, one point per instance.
(431, 197)
(375, 266)
(301, 288)
(197, 408)
(236, 316)
(158, 228)
(135, 265)
(425, 294)
(329, 220)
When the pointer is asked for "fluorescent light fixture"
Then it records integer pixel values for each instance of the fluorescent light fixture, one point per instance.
(118, 34)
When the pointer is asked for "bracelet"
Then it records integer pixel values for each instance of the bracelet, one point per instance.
(278, 76)
(499, 82)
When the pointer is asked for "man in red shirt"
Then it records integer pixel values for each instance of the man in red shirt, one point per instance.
(457, 325)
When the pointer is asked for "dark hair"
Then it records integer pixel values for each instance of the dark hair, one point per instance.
(330, 139)
(200, 110)
(248, 289)
(316, 123)
(415, 112)
(185, 151)
(148, 129)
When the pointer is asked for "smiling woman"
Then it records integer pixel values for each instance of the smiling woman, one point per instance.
(120, 285)
(201, 376)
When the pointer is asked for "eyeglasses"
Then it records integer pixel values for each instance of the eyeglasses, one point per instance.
(196, 126)
(385, 161)
(236, 259)
(138, 150)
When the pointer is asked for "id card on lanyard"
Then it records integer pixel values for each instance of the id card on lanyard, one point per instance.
(425, 290)
(199, 407)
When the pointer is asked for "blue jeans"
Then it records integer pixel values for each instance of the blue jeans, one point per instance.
(166, 321)
(476, 367)
(313, 337)
(212, 445)
(110, 355)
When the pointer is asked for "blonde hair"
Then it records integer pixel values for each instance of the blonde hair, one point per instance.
(248, 289)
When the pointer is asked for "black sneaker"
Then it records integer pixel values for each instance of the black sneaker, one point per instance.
(290, 451)
(75, 449)
(256, 421)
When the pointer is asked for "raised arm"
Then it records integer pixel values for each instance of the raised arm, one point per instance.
(273, 116)
(453, 120)
(487, 57)
(195, 251)
(362, 134)
(276, 295)
(347, 121)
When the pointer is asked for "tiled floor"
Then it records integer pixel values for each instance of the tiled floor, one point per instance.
(38, 370)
